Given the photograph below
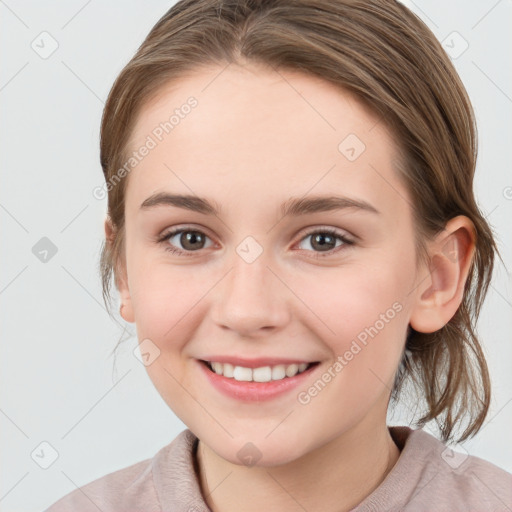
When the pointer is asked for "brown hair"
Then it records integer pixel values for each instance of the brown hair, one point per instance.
(387, 57)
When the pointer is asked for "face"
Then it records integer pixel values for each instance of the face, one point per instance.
(268, 273)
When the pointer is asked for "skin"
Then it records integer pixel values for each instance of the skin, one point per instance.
(257, 138)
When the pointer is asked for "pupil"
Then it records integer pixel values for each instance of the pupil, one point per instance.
(190, 237)
(321, 240)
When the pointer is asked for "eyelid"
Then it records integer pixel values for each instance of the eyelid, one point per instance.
(171, 232)
(185, 227)
(343, 233)
(347, 241)
(347, 238)
(304, 232)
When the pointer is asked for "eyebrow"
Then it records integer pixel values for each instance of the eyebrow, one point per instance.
(294, 206)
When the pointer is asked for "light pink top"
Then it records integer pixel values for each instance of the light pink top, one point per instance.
(427, 477)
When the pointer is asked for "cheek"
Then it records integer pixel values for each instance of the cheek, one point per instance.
(164, 296)
(364, 310)
(370, 323)
(166, 310)
(357, 296)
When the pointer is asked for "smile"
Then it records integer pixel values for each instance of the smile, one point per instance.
(261, 374)
(256, 379)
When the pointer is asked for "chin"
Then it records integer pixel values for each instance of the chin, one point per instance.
(257, 453)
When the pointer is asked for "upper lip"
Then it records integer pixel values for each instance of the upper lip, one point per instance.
(256, 362)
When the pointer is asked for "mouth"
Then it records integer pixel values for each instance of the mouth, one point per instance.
(263, 373)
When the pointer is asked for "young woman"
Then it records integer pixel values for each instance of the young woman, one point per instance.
(292, 229)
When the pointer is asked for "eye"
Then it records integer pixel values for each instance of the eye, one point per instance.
(191, 240)
(324, 239)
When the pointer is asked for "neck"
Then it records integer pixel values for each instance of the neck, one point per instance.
(333, 478)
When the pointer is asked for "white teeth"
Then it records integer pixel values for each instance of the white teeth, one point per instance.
(217, 368)
(278, 372)
(292, 370)
(228, 370)
(241, 373)
(261, 374)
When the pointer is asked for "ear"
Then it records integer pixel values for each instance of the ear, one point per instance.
(440, 294)
(120, 275)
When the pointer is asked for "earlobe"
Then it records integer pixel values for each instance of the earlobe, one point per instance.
(126, 312)
(120, 277)
(440, 293)
(109, 230)
(126, 309)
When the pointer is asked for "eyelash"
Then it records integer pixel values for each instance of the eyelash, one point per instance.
(329, 231)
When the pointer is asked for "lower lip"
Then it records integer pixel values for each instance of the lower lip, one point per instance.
(255, 391)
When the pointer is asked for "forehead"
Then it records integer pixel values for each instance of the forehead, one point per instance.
(252, 129)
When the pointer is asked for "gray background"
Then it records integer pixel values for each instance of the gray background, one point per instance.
(56, 369)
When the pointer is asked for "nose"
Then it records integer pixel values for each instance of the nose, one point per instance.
(251, 300)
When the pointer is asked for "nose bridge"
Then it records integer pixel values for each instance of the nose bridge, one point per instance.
(250, 297)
